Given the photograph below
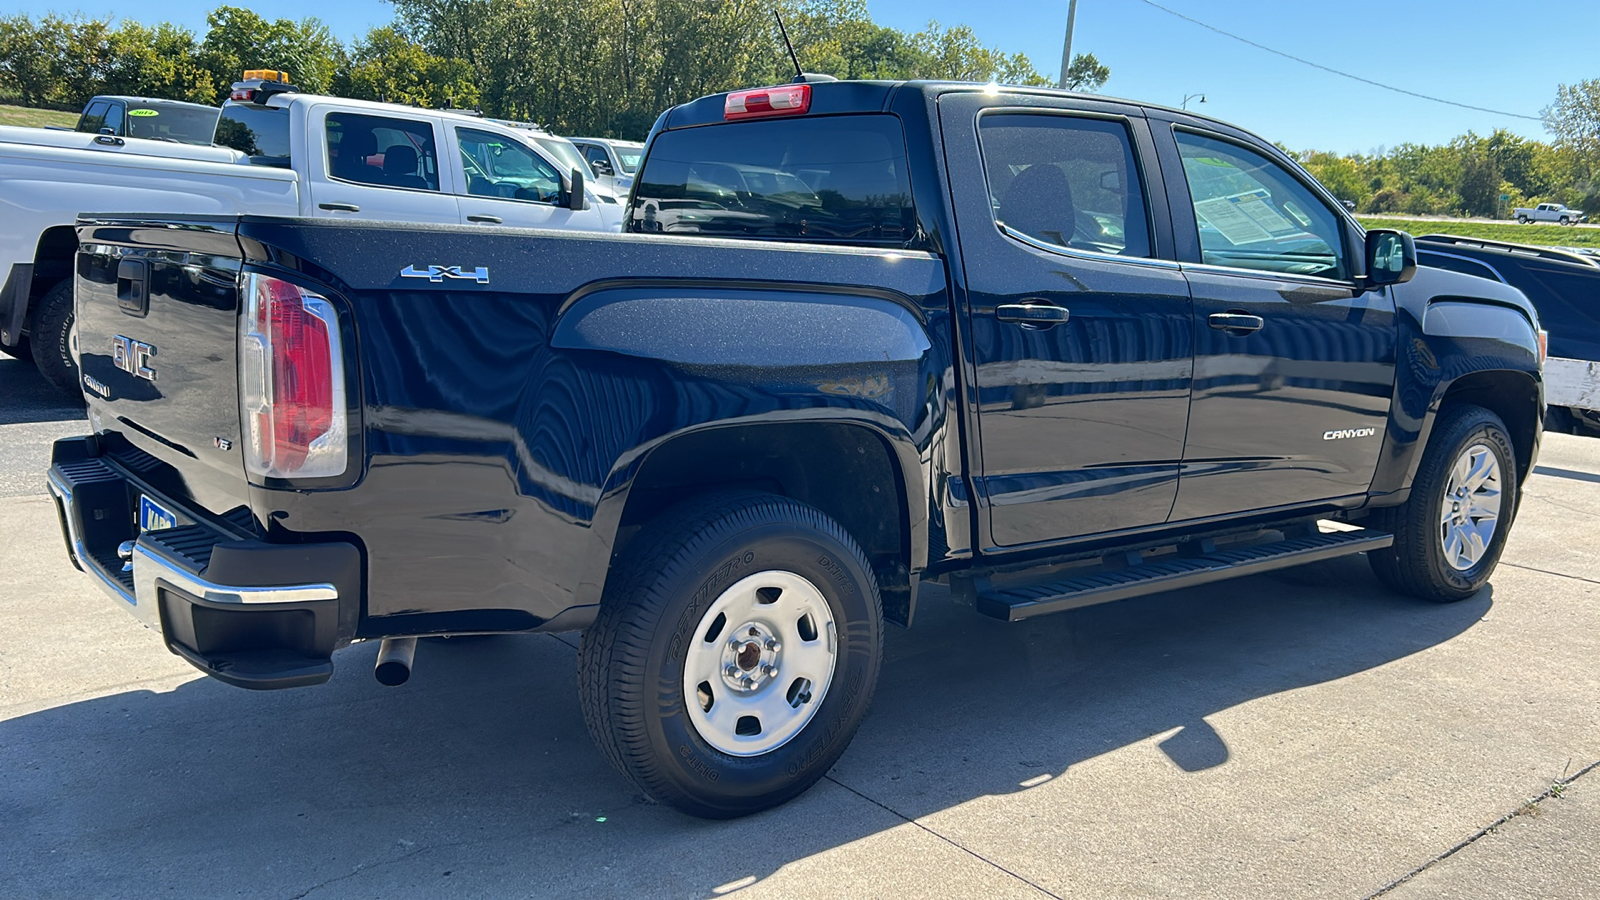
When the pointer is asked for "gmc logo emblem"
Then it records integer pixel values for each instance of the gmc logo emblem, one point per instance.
(133, 357)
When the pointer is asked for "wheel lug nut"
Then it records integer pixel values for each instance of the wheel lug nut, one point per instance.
(769, 671)
(773, 645)
(732, 670)
(747, 683)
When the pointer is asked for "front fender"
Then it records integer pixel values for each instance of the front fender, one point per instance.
(1454, 329)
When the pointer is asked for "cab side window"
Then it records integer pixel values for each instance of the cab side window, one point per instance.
(595, 153)
(114, 118)
(1065, 181)
(94, 118)
(382, 151)
(497, 166)
(1253, 214)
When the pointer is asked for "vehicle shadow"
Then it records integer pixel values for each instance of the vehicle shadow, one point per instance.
(26, 397)
(478, 778)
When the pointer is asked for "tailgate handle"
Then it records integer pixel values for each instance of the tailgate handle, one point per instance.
(493, 220)
(133, 286)
(339, 207)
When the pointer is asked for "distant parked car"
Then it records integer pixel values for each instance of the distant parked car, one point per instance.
(568, 155)
(1549, 212)
(613, 162)
(156, 120)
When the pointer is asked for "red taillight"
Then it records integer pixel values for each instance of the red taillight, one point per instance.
(291, 382)
(788, 100)
(244, 94)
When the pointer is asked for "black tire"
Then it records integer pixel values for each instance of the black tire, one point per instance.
(1416, 564)
(1566, 221)
(631, 665)
(52, 338)
(1522, 220)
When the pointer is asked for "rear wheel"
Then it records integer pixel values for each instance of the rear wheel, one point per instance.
(1522, 220)
(53, 335)
(735, 654)
(1449, 534)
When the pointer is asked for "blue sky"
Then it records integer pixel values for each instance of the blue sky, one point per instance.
(1472, 51)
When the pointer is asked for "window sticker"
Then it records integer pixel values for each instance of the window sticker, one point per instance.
(144, 112)
(1244, 218)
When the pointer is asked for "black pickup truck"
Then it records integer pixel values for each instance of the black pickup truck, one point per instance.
(1047, 349)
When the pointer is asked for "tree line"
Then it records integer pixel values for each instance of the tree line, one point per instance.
(1469, 175)
(605, 67)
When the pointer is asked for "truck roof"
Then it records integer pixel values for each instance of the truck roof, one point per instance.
(129, 98)
(866, 96)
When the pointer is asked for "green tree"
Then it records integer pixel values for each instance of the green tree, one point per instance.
(27, 61)
(1086, 73)
(387, 65)
(238, 39)
(163, 61)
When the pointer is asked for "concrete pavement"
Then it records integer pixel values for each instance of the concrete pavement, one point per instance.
(1299, 735)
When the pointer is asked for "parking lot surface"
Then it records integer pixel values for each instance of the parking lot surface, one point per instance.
(1306, 734)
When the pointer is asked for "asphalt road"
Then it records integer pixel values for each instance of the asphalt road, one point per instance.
(1300, 735)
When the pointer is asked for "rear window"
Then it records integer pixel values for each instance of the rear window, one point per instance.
(833, 179)
(170, 122)
(260, 132)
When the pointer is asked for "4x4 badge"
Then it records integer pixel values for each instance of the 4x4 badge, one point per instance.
(437, 274)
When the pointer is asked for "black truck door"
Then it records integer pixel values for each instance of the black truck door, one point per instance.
(1080, 333)
(1294, 365)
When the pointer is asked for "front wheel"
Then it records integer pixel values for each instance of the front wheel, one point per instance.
(1448, 535)
(736, 651)
(1566, 221)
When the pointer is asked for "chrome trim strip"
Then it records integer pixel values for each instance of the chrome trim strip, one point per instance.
(1265, 275)
(151, 571)
(1091, 255)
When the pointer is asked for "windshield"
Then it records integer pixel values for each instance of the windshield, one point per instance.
(630, 154)
(563, 151)
(836, 179)
(172, 122)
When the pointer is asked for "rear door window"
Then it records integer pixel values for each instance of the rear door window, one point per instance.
(1065, 181)
(830, 179)
(382, 151)
(94, 118)
(114, 119)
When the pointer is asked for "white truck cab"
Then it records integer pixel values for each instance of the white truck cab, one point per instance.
(277, 152)
(613, 162)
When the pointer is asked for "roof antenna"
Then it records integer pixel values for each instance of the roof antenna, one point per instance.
(799, 76)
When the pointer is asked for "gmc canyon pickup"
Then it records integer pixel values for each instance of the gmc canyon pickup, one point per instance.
(1047, 349)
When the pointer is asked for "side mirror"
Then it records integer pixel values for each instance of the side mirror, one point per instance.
(1391, 257)
(1349, 205)
(107, 129)
(575, 193)
(601, 167)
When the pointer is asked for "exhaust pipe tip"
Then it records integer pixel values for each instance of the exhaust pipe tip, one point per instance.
(394, 661)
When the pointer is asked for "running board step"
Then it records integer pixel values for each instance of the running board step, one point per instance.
(1172, 573)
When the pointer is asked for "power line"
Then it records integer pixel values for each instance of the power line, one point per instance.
(1387, 87)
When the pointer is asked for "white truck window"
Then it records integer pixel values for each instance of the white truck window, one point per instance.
(382, 151)
(499, 167)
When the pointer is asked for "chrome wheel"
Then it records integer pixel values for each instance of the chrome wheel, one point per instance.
(760, 663)
(1471, 508)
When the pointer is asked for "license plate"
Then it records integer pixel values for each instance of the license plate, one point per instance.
(152, 517)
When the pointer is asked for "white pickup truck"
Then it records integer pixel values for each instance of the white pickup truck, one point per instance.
(1549, 212)
(278, 153)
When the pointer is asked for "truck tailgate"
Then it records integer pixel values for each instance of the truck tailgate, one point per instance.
(157, 312)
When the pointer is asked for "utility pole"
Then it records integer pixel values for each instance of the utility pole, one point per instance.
(1066, 45)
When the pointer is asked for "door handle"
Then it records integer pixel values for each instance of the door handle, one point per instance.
(493, 220)
(339, 207)
(109, 140)
(1036, 314)
(1235, 323)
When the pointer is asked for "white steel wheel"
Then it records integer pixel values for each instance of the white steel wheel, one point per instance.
(1470, 510)
(760, 664)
